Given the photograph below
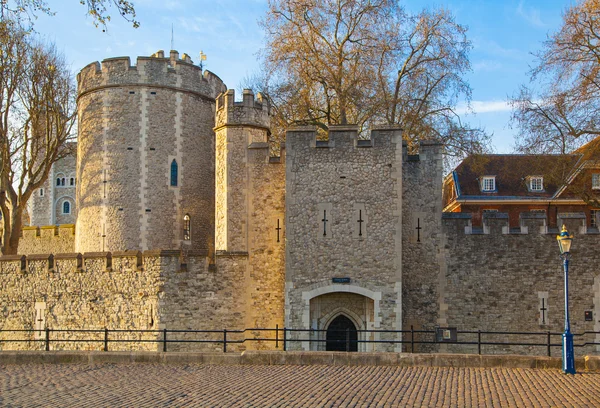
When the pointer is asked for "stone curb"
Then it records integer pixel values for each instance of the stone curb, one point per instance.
(587, 363)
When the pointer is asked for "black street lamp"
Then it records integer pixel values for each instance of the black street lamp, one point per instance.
(568, 357)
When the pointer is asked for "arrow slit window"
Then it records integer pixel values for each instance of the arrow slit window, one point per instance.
(187, 228)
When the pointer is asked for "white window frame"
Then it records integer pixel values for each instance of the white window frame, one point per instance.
(485, 180)
(63, 207)
(595, 181)
(533, 183)
(593, 214)
(41, 192)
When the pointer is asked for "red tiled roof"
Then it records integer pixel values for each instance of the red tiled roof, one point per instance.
(512, 171)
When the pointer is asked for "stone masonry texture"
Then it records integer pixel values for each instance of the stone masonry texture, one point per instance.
(134, 121)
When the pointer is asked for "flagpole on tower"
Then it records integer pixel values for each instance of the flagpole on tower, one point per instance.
(172, 38)
(202, 58)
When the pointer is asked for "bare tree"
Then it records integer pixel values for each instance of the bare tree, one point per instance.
(322, 57)
(427, 82)
(97, 9)
(37, 111)
(367, 62)
(560, 109)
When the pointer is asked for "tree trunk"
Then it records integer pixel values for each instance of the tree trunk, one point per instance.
(12, 234)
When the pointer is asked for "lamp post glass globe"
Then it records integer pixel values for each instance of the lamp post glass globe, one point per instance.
(568, 355)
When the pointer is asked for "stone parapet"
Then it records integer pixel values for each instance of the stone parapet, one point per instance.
(157, 71)
(252, 111)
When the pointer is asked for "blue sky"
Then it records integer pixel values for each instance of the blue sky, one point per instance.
(504, 34)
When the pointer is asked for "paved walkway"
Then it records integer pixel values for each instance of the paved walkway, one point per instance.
(145, 385)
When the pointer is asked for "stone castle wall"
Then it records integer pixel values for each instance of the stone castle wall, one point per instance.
(250, 207)
(494, 281)
(134, 122)
(122, 290)
(356, 186)
(47, 239)
(46, 203)
(421, 237)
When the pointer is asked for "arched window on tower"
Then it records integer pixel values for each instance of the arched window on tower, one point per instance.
(72, 181)
(63, 181)
(174, 171)
(66, 207)
(58, 181)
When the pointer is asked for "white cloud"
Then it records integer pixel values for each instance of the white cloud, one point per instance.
(492, 106)
(530, 14)
(486, 66)
(491, 47)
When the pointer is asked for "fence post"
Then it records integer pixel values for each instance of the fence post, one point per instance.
(105, 339)
(412, 339)
(224, 340)
(47, 339)
(479, 342)
(276, 336)
(165, 340)
(549, 351)
(284, 339)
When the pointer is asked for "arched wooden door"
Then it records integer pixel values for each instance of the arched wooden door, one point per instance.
(342, 335)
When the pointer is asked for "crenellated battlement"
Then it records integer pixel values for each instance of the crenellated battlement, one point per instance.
(121, 261)
(344, 137)
(47, 231)
(154, 71)
(47, 238)
(497, 223)
(252, 111)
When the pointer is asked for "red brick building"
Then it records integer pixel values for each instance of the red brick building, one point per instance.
(557, 185)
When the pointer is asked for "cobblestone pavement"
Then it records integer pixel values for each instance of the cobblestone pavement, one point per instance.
(145, 385)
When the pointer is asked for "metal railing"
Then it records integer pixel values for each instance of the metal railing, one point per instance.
(283, 337)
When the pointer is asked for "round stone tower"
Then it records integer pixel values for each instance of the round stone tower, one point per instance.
(145, 156)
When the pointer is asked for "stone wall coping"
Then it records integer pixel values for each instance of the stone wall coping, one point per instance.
(301, 129)
(387, 127)
(124, 254)
(258, 145)
(457, 215)
(90, 255)
(495, 215)
(162, 252)
(39, 257)
(197, 253)
(71, 255)
(583, 364)
(30, 228)
(9, 258)
(343, 128)
(231, 253)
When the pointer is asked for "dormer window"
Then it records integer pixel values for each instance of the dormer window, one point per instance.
(596, 181)
(488, 184)
(536, 183)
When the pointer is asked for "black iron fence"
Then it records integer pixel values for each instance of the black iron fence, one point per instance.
(283, 338)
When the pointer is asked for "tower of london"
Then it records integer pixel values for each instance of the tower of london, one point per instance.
(188, 217)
